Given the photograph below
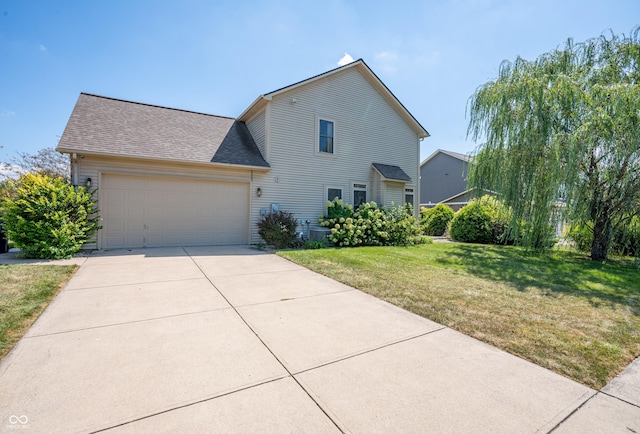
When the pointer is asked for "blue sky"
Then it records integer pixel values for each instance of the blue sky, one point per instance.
(217, 56)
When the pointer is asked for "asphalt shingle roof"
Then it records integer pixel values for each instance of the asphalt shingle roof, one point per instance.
(102, 125)
(394, 173)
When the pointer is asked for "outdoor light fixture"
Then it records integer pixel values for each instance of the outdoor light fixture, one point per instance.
(87, 183)
(258, 192)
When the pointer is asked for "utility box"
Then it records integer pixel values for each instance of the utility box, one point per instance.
(319, 234)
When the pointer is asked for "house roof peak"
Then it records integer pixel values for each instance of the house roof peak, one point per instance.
(263, 100)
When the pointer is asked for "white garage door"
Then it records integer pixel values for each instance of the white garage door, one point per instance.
(142, 211)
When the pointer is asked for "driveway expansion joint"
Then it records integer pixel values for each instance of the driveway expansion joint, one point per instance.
(320, 407)
(126, 323)
(371, 350)
(189, 404)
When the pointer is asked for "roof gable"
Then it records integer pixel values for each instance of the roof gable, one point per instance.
(260, 103)
(462, 157)
(108, 126)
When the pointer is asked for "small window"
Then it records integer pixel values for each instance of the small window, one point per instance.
(332, 193)
(325, 138)
(408, 196)
(359, 194)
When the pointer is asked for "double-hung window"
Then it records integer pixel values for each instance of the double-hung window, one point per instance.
(326, 136)
(333, 193)
(359, 194)
(408, 195)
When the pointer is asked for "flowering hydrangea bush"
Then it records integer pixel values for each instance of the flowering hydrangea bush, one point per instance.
(369, 225)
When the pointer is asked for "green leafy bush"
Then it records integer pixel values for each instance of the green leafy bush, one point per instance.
(48, 217)
(472, 224)
(487, 220)
(434, 221)
(369, 225)
(626, 240)
(402, 226)
(278, 229)
(581, 235)
(500, 219)
(316, 244)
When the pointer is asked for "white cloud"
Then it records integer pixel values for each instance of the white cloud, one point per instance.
(346, 59)
(10, 171)
(386, 61)
(6, 113)
(391, 62)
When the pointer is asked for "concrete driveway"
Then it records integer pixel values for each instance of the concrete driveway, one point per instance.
(235, 340)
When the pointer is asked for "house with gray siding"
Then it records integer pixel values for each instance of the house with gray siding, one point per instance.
(170, 177)
(443, 179)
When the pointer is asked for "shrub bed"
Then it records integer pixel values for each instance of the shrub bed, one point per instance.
(370, 225)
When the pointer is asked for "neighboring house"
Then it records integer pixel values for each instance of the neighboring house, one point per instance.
(443, 179)
(168, 177)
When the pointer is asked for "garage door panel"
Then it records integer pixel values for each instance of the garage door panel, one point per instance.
(142, 211)
(134, 196)
(134, 212)
(113, 225)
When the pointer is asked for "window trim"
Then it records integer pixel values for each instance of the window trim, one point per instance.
(326, 192)
(412, 192)
(317, 137)
(354, 189)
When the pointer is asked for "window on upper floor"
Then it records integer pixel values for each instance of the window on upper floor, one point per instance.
(326, 136)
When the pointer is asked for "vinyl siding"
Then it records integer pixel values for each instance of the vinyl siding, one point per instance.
(367, 130)
(442, 177)
(257, 128)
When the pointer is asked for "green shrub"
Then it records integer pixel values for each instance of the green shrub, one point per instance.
(278, 229)
(487, 220)
(581, 236)
(402, 225)
(316, 244)
(472, 224)
(48, 217)
(500, 219)
(626, 240)
(366, 226)
(434, 221)
(369, 225)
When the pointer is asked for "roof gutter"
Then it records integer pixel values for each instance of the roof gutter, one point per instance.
(81, 154)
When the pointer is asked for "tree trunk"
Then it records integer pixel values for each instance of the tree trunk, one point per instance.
(601, 236)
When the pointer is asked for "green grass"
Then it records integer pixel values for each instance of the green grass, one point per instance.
(560, 310)
(25, 291)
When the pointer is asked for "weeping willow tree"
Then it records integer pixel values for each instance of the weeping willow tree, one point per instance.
(562, 137)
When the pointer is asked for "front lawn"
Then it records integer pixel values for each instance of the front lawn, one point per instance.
(559, 310)
(25, 291)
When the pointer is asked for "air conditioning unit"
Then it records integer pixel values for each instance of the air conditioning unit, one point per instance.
(319, 234)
